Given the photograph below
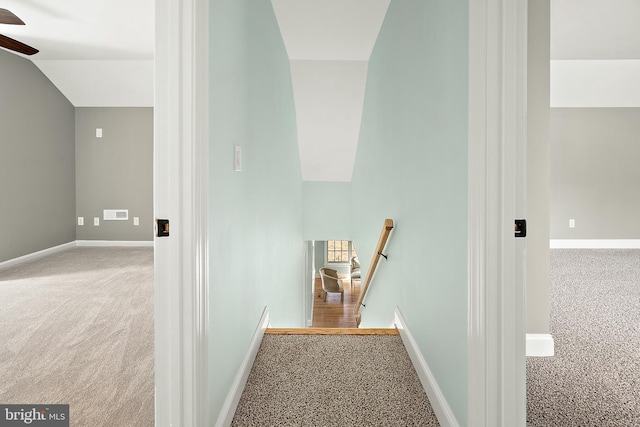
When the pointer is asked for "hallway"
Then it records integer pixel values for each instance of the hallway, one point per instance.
(333, 380)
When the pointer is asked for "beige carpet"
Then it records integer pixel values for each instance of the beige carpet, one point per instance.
(594, 378)
(77, 328)
(333, 380)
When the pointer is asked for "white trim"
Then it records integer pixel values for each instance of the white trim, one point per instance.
(36, 255)
(540, 345)
(496, 392)
(572, 83)
(145, 243)
(180, 182)
(231, 402)
(199, 42)
(439, 403)
(594, 243)
(341, 264)
(69, 245)
(308, 278)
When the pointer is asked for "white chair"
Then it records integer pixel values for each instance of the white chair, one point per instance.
(331, 283)
(355, 270)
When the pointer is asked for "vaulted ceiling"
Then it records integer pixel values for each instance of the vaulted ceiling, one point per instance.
(98, 52)
(329, 43)
(595, 53)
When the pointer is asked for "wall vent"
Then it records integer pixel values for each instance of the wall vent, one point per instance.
(115, 215)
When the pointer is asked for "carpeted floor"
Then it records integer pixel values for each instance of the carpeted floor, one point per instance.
(333, 380)
(594, 378)
(77, 329)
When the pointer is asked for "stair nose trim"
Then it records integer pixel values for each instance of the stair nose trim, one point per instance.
(331, 331)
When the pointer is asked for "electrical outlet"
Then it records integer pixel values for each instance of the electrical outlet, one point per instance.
(96, 221)
(572, 223)
(80, 220)
(136, 220)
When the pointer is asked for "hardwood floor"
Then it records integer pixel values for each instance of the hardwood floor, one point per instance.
(334, 313)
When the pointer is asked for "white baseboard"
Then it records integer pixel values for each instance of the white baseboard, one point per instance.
(84, 243)
(436, 397)
(540, 345)
(36, 255)
(100, 243)
(594, 243)
(233, 398)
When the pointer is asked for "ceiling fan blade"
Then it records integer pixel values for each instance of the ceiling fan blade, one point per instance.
(11, 44)
(7, 17)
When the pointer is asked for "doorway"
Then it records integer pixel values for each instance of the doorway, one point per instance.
(335, 287)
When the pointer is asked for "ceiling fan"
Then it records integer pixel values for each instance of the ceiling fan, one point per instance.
(6, 17)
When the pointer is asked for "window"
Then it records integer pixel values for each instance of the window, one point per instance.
(340, 251)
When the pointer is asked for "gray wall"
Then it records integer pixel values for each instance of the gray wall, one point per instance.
(319, 262)
(538, 167)
(37, 175)
(114, 172)
(595, 173)
(411, 166)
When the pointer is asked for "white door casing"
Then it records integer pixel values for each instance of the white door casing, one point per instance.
(180, 195)
(497, 122)
(497, 195)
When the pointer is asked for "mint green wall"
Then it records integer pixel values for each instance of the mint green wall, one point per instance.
(326, 210)
(411, 166)
(256, 244)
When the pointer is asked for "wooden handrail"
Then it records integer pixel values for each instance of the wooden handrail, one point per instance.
(382, 241)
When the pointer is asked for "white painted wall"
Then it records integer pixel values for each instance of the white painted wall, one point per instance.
(538, 168)
(595, 29)
(595, 83)
(329, 43)
(102, 83)
(328, 97)
(337, 30)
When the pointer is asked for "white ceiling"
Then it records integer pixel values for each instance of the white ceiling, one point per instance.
(330, 29)
(595, 29)
(328, 97)
(86, 47)
(595, 83)
(329, 43)
(100, 53)
(595, 53)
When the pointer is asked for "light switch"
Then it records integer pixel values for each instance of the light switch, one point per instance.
(80, 220)
(96, 221)
(98, 132)
(237, 158)
(572, 223)
(136, 220)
